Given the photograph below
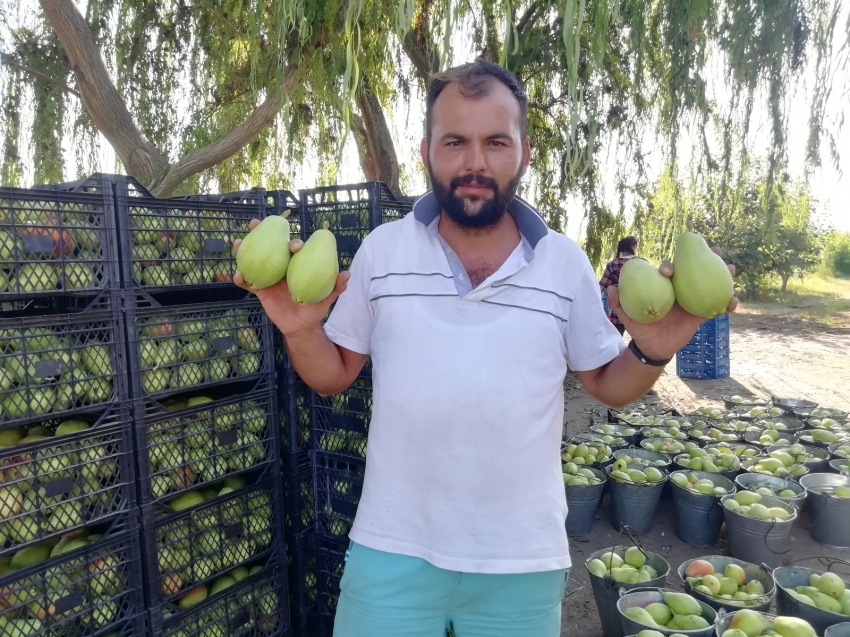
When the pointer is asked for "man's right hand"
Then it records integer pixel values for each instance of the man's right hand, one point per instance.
(289, 316)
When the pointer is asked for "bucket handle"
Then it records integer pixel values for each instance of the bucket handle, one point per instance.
(610, 582)
(766, 533)
(832, 561)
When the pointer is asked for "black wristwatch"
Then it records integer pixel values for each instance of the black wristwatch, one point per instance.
(643, 358)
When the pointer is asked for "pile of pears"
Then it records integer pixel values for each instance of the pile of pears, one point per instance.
(740, 400)
(823, 436)
(632, 569)
(823, 412)
(575, 476)
(781, 463)
(731, 585)
(713, 459)
(701, 283)
(764, 488)
(842, 452)
(264, 260)
(667, 431)
(586, 453)
(762, 412)
(749, 503)
(678, 611)
(826, 591)
(769, 436)
(689, 481)
(712, 434)
(622, 472)
(614, 430)
(749, 623)
(666, 445)
(709, 412)
(636, 418)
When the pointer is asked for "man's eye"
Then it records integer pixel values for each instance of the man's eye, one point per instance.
(455, 143)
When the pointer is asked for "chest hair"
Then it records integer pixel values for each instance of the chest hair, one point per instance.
(479, 270)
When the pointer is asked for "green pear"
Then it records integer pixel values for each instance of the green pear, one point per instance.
(660, 613)
(314, 269)
(682, 604)
(701, 279)
(635, 557)
(597, 567)
(793, 627)
(646, 295)
(263, 257)
(830, 584)
(640, 616)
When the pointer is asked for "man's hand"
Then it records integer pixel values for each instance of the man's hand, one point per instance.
(289, 316)
(662, 339)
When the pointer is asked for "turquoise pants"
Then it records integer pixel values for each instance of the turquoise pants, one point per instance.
(392, 595)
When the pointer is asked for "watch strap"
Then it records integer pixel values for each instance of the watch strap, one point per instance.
(643, 358)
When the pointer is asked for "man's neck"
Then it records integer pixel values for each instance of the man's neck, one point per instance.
(477, 241)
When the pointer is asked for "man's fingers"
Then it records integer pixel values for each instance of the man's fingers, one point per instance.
(295, 245)
(613, 297)
(339, 288)
(717, 250)
(733, 305)
(253, 224)
(239, 280)
(666, 269)
(733, 270)
(236, 245)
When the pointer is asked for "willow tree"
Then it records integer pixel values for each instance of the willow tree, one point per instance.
(231, 90)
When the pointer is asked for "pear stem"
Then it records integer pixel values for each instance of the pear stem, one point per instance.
(285, 214)
(689, 224)
(326, 225)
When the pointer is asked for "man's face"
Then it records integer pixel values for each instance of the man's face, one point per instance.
(476, 155)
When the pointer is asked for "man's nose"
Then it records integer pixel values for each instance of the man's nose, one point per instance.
(475, 159)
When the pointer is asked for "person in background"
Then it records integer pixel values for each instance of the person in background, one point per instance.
(626, 249)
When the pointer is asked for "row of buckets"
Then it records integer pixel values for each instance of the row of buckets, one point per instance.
(614, 598)
(699, 517)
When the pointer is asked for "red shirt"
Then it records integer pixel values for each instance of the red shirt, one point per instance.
(611, 276)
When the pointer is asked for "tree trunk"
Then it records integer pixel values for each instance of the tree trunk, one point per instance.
(785, 278)
(110, 114)
(374, 141)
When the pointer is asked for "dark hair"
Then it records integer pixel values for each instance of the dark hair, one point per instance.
(475, 80)
(626, 244)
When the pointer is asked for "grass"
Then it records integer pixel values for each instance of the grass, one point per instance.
(819, 298)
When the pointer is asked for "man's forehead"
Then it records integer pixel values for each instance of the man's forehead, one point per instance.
(453, 106)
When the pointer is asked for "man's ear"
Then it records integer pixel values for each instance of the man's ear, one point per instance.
(423, 151)
(526, 154)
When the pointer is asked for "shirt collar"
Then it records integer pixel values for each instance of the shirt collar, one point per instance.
(531, 225)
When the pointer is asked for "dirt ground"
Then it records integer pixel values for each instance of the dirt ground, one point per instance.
(779, 352)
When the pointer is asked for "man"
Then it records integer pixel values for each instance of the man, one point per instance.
(626, 249)
(472, 311)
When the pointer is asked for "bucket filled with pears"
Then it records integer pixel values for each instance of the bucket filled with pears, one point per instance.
(759, 527)
(727, 583)
(828, 501)
(619, 568)
(696, 505)
(584, 487)
(822, 599)
(635, 491)
(751, 623)
(666, 611)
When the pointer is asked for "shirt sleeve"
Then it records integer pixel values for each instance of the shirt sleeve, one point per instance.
(591, 339)
(351, 321)
(607, 277)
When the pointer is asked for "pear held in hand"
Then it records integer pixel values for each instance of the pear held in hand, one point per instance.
(646, 295)
(264, 254)
(701, 279)
(314, 269)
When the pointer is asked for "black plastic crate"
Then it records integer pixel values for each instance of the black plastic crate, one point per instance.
(253, 606)
(193, 441)
(285, 203)
(60, 365)
(54, 483)
(91, 586)
(182, 242)
(180, 348)
(56, 242)
(341, 422)
(294, 404)
(298, 512)
(303, 583)
(351, 212)
(191, 549)
(330, 562)
(338, 485)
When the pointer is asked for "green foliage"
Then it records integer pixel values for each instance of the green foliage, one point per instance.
(836, 254)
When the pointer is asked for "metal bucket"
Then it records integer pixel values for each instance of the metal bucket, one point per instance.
(838, 630)
(792, 403)
(820, 457)
(724, 620)
(726, 473)
(840, 465)
(606, 591)
(648, 455)
(789, 577)
(617, 431)
(582, 504)
(834, 447)
(751, 481)
(634, 504)
(643, 597)
(700, 436)
(752, 572)
(792, 425)
(646, 441)
(751, 462)
(829, 516)
(760, 541)
(699, 516)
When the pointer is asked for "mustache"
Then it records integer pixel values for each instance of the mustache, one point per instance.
(478, 179)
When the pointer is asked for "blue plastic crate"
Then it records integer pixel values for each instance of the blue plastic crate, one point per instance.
(706, 356)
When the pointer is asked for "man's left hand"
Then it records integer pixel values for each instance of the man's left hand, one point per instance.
(662, 339)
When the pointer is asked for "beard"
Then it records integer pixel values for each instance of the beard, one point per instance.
(460, 210)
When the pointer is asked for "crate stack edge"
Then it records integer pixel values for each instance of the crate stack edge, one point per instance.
(706, 356)
(68, 545)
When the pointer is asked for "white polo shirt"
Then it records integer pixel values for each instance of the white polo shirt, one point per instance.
(463, 457)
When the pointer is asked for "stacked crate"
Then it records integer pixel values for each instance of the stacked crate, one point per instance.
(296, 467)
(340, 423)
(205, 411)
(69, 552)
(707, 354)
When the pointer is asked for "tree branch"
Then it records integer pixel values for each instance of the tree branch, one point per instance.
(107, 110)
(202, 158)
(525, 20)
(378, 137)
(420, 48)
(8, 59)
